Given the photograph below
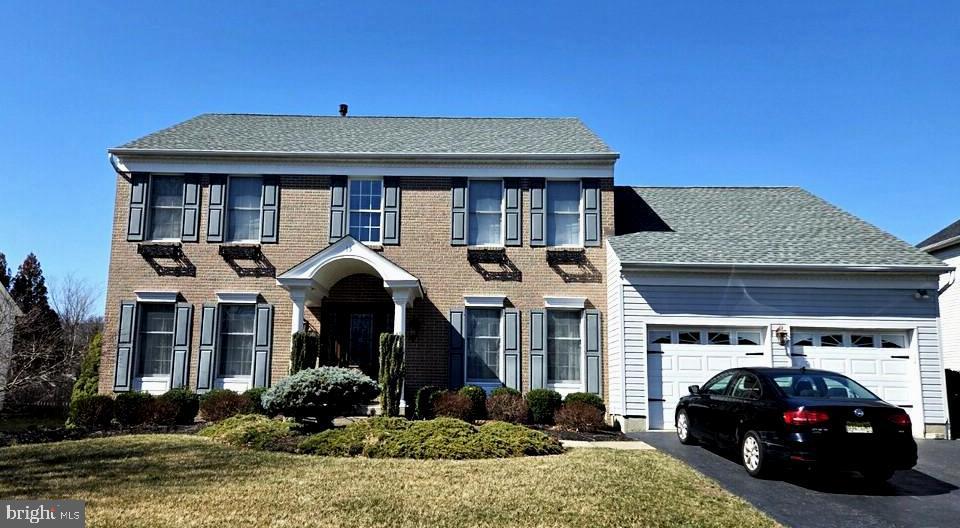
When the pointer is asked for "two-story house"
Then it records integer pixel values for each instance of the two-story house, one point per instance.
(480, 240)
(490, 243)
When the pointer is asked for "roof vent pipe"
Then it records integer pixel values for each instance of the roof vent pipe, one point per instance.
(343, 110)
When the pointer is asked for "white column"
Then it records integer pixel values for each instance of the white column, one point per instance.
(401, 297)
(298, 298)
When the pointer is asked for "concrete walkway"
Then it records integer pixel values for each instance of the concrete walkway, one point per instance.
(635, 445)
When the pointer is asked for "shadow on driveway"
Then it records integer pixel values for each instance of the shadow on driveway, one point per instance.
(928, 495)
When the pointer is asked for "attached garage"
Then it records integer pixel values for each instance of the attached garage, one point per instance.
(704, 279)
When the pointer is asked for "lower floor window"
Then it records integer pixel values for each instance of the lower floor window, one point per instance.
(483, 344)
(155, 340)
(563, 346)
(236, 340)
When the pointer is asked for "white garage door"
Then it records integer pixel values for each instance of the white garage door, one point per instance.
(880, 361)
(679, 357)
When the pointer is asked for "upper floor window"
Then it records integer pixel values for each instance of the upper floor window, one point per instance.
(166, 207)
(155, 340)
(563, 213)
(243, 208)
(563, 346)
(486, 213)
(237, 323)
(366, 209)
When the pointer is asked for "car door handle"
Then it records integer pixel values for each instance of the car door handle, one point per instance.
(754, 353)
(899, 357)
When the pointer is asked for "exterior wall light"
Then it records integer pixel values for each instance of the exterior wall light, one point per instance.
(921, 294)
(781, 333)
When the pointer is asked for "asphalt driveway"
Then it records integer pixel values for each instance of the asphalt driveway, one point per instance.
(926, 496)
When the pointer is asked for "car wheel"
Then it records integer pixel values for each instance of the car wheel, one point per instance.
(753, 456)
(683, 429)
(877, 474)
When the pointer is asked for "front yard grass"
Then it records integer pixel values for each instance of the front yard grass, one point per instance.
(179, 480)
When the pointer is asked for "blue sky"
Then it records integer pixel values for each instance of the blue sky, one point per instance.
(855, 101)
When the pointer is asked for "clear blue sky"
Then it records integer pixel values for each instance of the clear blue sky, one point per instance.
(858, 102)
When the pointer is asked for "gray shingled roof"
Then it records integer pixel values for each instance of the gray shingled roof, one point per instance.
(346, 135)
(947, 233)
(751, 225)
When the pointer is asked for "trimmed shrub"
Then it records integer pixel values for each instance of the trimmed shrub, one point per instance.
(219, 404)
(507, 407)
(92, 412)
(163, 412)
(392, 372)
(505, 390)
(478, 399)
(304, 349)
(133, 408)
(89, 378)
(425, 399)
(442, 438)
(251, 430)
(181, 402)
(543, 404)
(453, 405)
(256, 399)
(320, 393)
(586, 397)
(579, 416)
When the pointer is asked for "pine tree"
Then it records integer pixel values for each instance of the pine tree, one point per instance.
(4, 272)
(29, 287)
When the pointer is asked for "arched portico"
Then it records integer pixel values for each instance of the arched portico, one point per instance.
(310, 281)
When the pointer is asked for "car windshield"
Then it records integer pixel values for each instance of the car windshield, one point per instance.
(819, 385)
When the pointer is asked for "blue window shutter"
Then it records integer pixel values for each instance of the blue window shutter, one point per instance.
(538, 348)
(458, 212)
(456, 348)
(137, 214)
(391, 211)
(594, 336)
(208, 347)
(270, 210)
(262, 345)
(511, 348)
(125, 344)
(512, 207)
(182, 332)
(190, 226)
(591, 212)
(338, 207)
(216, 199)
(538, 213)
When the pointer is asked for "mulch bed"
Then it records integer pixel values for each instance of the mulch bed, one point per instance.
(602, 435)
(39, 435)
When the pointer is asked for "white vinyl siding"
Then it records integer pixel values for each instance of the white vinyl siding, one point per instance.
(243, 208)
(485, 220)
(166, 207)
(950, 309)
(615, 334)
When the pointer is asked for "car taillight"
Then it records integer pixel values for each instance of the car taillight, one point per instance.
(802, 416)
(901, 419)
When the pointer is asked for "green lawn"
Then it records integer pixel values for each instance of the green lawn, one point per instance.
(177, 480)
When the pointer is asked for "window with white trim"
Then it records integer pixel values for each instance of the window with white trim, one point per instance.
(564, 347)
(849, 339)
(237, 323)
(485, 220)
(483, 327)
(166, 207)
(365, 209)
(706, 336)
(155, 339)
(244, 197)
(563, 213)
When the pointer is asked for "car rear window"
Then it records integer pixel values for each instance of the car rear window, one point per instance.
(828, 386)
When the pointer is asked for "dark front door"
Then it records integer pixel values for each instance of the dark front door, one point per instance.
(362, 350)
(351, 331)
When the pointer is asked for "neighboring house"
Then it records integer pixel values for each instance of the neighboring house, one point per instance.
(489, 243)
(703, 279)
(9, 311)
(481, 240)
(945, 245)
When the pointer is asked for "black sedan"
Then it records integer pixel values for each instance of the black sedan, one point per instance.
(788, 416)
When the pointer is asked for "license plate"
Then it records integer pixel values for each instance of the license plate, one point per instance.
(859, 427)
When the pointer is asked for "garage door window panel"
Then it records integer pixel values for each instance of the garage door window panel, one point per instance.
(851, 339)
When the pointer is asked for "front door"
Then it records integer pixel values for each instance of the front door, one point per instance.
(362, 350)
(350, 333)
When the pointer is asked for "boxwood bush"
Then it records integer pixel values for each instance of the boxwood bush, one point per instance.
(255, 396)
(133, 408)
(478, 401)
(92, 411)
(586, 397)
(182, 403)
(320, 393)
(251, 430)
(219, 404)
(543, 404)
(505, 390)
(441, 438)
(423, 405)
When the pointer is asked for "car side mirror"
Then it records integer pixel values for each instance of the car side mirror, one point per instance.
(694, 389)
